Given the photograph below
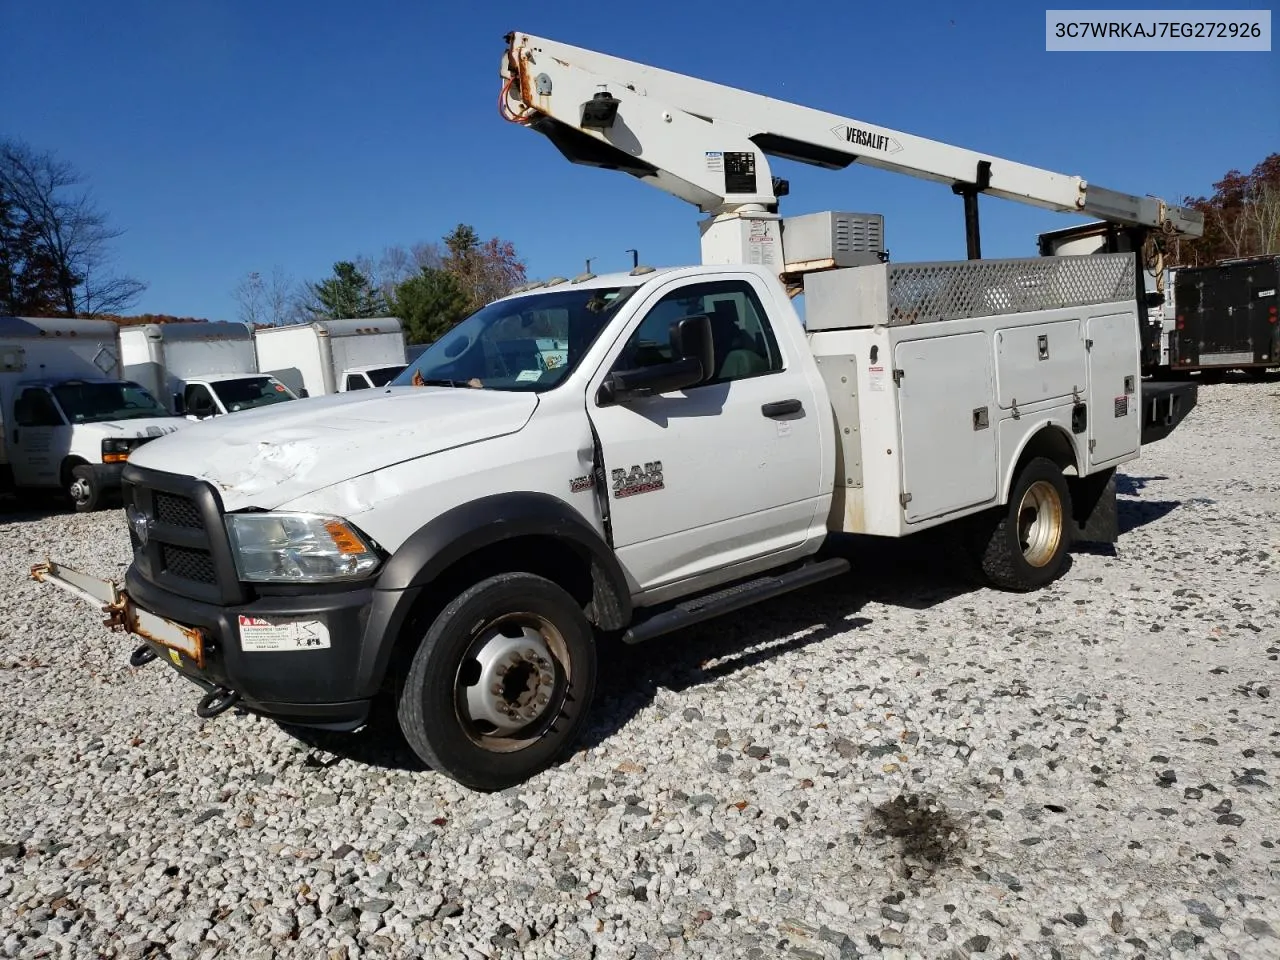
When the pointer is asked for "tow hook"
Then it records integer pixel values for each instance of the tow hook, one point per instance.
(142, 656)
(216, 701)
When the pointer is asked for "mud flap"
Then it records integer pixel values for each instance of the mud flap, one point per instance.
(1093, 505)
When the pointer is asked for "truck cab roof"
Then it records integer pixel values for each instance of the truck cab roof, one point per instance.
(604, 280)
(49, 382)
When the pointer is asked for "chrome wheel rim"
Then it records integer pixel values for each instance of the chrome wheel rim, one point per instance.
(511, 682)
(80, 490)
(1040, 523)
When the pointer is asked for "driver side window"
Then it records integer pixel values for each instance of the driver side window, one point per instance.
(199, 402)
(744, 343)
(35, 408)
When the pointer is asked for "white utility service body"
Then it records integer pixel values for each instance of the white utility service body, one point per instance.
(333, 356)
(55, 377)
(199, 369)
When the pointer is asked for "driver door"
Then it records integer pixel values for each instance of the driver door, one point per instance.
(34, 451)
(718, 473)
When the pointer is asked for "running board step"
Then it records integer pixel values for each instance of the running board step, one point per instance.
(709, 605)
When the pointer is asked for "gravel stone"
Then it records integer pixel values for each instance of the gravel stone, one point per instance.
(893, 764)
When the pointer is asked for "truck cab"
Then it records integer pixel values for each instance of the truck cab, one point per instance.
(216, 396)
(370, 376)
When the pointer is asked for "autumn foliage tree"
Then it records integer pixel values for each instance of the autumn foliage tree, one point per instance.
(1241, 218)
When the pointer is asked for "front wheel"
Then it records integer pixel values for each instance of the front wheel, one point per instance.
(1024, 545)
(500, 684)
(83, 489)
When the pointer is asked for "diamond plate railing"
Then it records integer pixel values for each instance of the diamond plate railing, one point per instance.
(928, 292)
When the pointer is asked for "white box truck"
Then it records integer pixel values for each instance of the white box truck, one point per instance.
(199, 369)
(333, 356)
(68, 420)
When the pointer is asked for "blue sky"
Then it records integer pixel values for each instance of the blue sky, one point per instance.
(236, 136)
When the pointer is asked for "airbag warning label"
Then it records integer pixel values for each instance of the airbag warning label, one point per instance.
(258, 635)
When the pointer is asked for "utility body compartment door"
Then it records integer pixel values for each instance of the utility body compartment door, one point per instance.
(1043, 361)
(1115, 408)
(723, 472)
(946, 424)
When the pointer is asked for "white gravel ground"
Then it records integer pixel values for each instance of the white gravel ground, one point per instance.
(889, 764)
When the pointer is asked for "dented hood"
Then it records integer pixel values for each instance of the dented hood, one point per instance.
(269, 456)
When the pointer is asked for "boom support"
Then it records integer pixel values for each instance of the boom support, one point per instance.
(708, 144)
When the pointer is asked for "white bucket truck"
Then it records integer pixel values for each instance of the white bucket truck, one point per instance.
(70, 421)
(459, 542)
(333, 356)
(201, 370)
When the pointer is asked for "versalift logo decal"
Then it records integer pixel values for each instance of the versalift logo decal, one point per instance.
(861, 137)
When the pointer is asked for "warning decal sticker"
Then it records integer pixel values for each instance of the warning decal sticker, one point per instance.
(258, 635)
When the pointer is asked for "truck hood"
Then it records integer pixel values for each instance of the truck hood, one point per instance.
(269, 456)
(134, 427)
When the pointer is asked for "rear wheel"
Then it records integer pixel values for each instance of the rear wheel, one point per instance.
(1024, 545)
(83, 489)
(500, 685)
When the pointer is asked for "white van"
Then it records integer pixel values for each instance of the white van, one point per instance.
(69, 418)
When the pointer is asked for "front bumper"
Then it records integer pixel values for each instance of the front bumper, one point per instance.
(106, 476)
(315, 681)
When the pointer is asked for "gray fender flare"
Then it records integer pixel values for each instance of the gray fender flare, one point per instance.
(459, 532)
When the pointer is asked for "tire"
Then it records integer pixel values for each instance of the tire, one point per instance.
(1023, 545)
(85, 494)
(513, 642)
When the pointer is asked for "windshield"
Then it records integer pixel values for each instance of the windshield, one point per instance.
(249, 392)
(114, 400)
(383, 375)
(529, 343)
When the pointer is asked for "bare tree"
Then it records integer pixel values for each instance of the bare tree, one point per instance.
(72, 232)
(270, 300)
(1263, 213)
(396, 264)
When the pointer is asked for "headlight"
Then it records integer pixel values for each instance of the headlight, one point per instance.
(298, 548)
(116, 449)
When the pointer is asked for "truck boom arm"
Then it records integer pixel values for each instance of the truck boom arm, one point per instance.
(707, 143)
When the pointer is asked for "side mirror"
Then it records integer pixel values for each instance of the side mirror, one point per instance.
(694, 352)
(691, 340)
(302, 393)
(623, 385)
(179, 404)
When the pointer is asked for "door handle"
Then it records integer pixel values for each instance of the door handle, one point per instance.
(780, 408)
